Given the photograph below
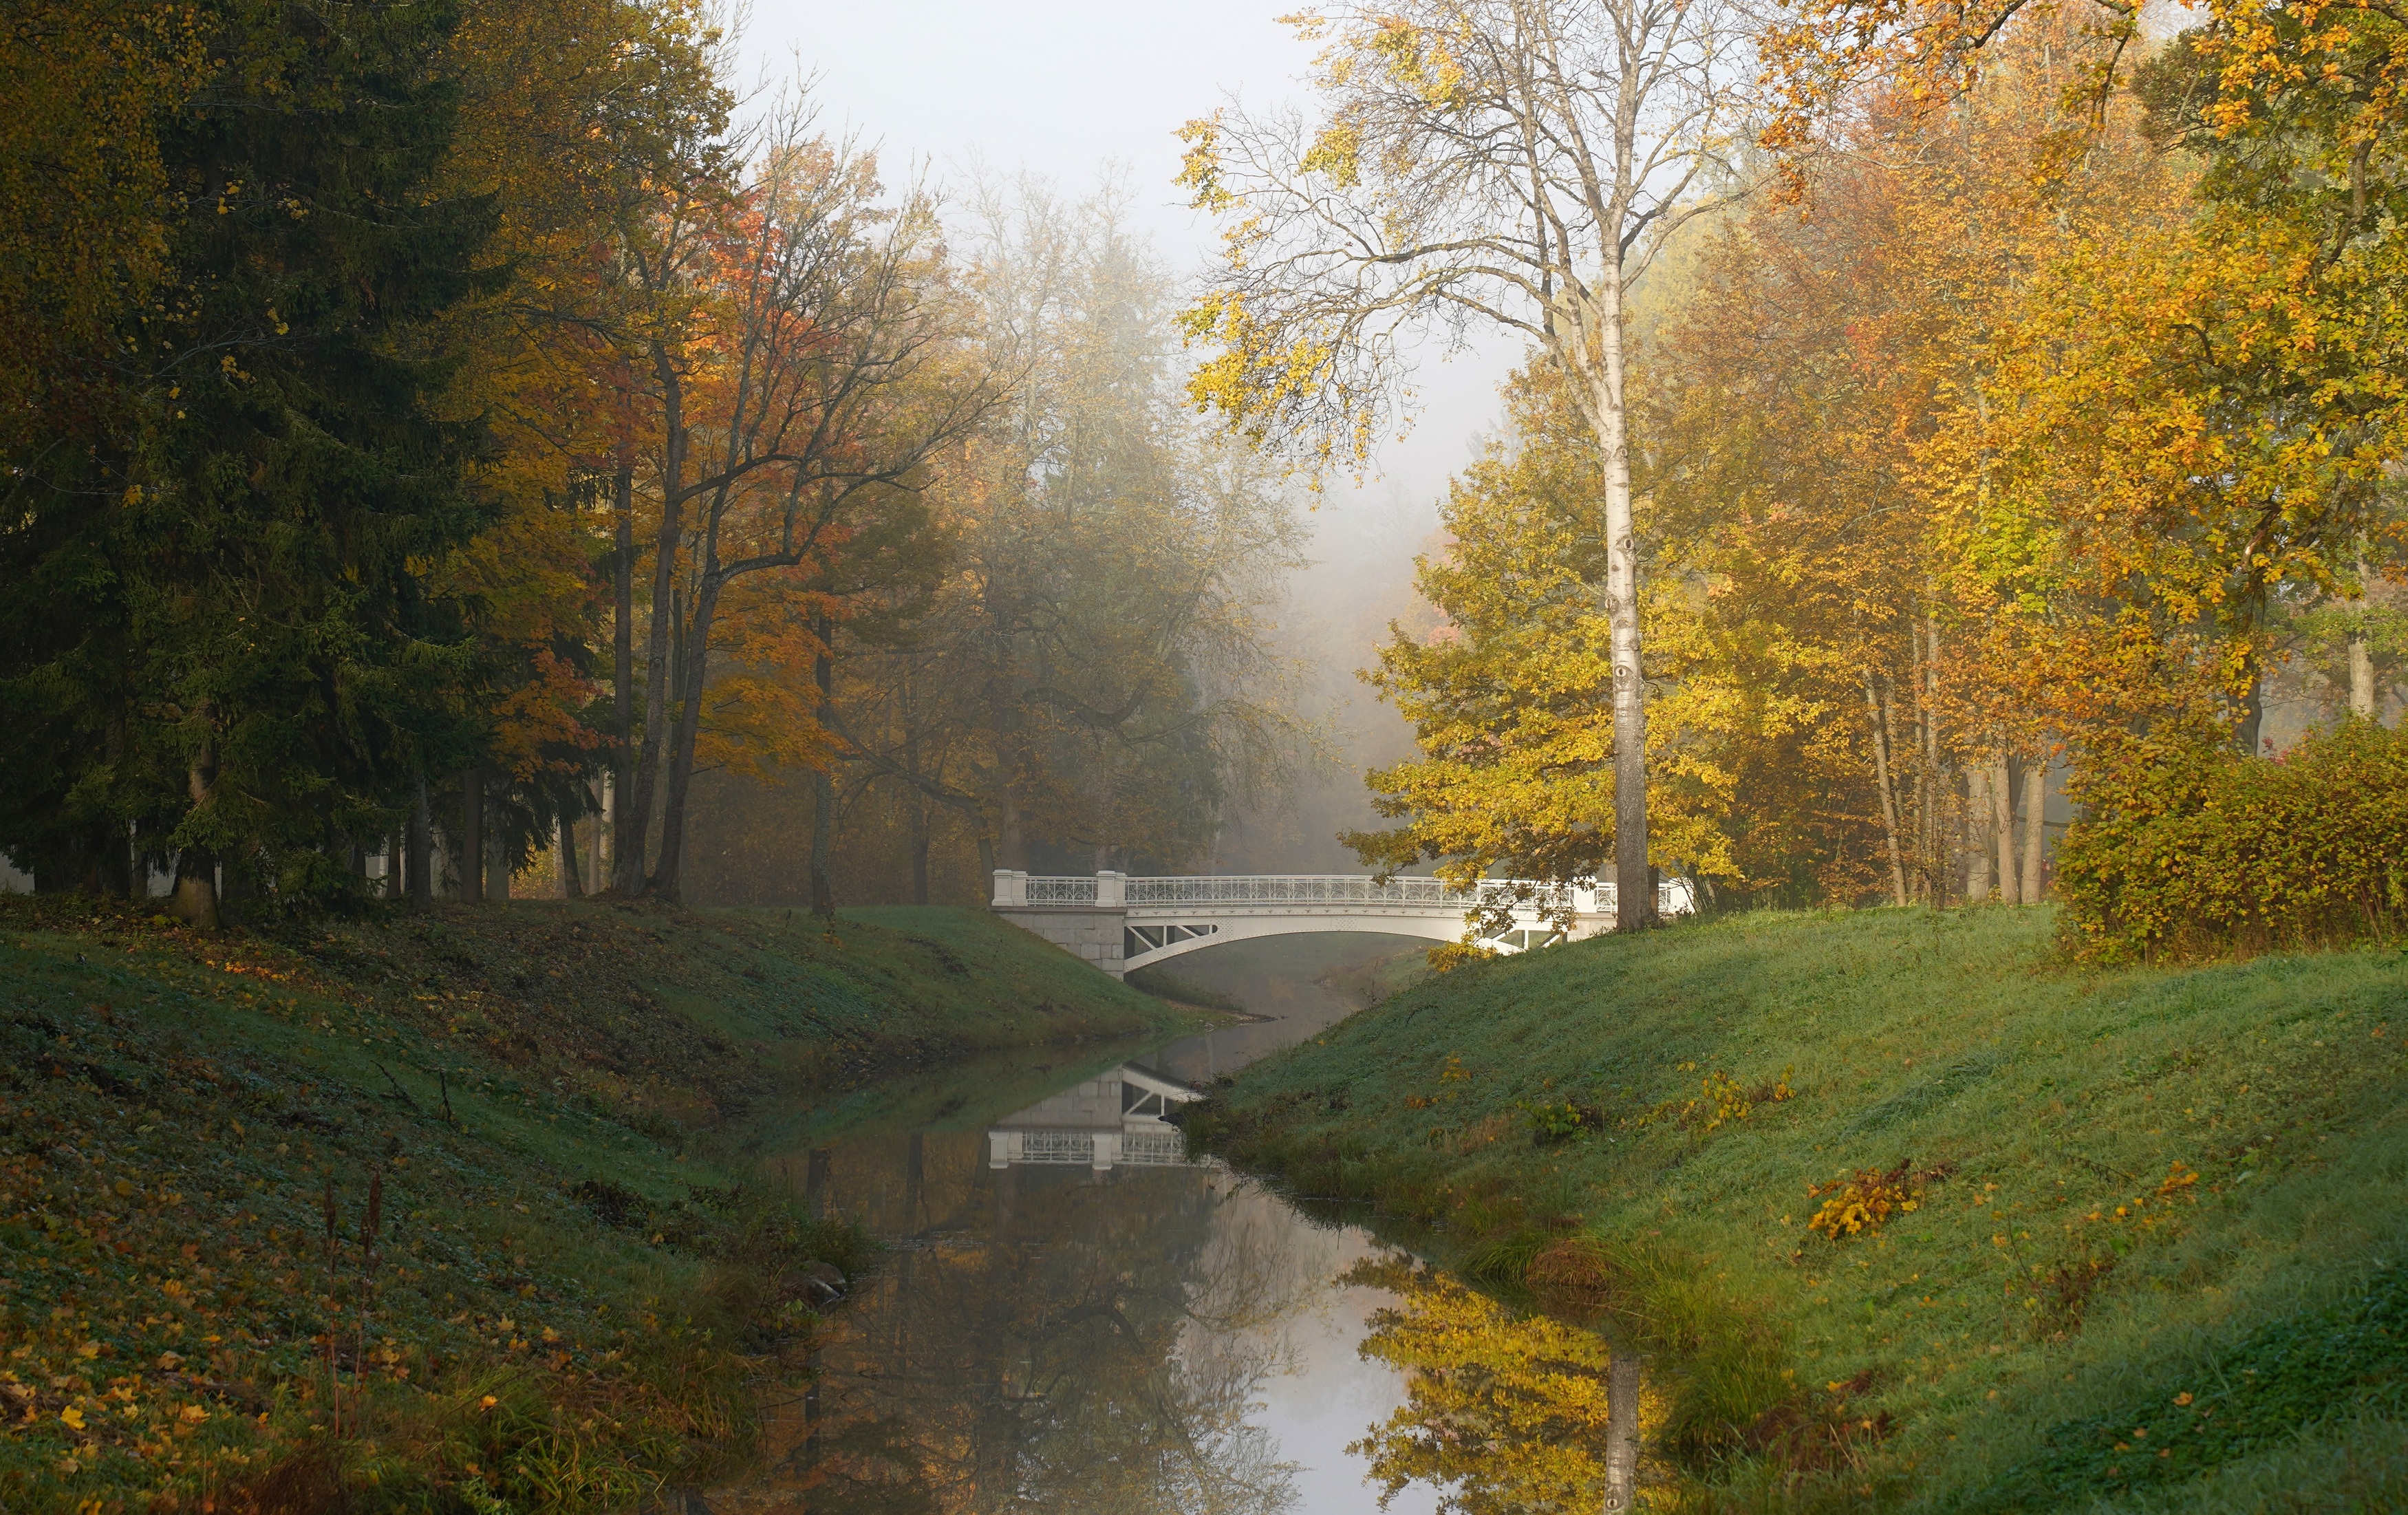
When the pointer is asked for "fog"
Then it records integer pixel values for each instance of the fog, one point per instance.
(1071, 92)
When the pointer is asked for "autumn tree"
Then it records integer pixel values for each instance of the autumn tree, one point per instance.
(1501, 164)
(1089, 682)
(822, 392)
(576, 117)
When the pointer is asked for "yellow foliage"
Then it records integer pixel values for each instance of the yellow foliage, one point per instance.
(1723, 1099)
(1867, 1201)
(1504, 1412)
(1448, 957)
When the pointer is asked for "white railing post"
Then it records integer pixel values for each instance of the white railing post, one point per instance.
(1010, 889)
(1112, 889)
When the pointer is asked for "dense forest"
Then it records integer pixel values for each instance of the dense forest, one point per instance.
(1931, 410)
(463, 442)
(441, 434)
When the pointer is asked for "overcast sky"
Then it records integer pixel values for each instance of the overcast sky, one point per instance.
(1063, 88)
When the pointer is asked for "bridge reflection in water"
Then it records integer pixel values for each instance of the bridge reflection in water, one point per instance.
(1117, 1117)
(1158, 1337)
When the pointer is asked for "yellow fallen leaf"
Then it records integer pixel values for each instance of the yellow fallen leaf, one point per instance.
(71, 1418)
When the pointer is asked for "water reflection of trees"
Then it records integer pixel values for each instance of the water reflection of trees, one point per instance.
(1505, 1413)
(1039, 1338)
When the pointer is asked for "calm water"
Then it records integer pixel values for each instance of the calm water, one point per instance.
(1073, 1316)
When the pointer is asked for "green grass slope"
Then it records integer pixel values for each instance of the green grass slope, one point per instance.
(2143, 1239)
(573, 1287)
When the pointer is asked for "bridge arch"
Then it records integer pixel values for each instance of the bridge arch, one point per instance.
(1142, 946)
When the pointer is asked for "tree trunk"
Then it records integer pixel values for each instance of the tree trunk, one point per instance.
(1634, 903)
(1010, 845)
(637, 813)
(1977, 851)
(2361, 674)
(1938, 783)
(2003, 824)
(623, 672)
(196, 867)
(1877, 713)
(114, 861)
(919, 852)
(917, 801)
(422, 851)
(2035, 832)
(497, 865)
(824, 781)
(2250, 735)
(472, 837)
(395, 850)
(692, 667)
(571, 886)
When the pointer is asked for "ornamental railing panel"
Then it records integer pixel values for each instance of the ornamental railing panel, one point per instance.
(1057, 1147)
(1062, 891)
(1155, 1149)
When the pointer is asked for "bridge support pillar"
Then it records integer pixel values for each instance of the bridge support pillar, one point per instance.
(1089, 931)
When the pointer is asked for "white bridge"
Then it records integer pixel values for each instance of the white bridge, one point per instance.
(1119, 922)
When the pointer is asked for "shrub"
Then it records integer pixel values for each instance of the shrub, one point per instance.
(2201, 852)
(1448, 957)
(1560, 1120)
(1725, 1100)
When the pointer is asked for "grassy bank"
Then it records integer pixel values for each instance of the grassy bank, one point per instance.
(2118, 1239)
(571, 1284)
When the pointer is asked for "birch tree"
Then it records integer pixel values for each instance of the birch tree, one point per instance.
(1470, 165)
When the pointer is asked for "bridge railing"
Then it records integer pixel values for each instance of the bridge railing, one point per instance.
(1013, 889)
(1336, 889)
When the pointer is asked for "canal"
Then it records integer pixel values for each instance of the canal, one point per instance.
(1073, 1313)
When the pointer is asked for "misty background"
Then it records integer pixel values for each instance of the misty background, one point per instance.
(1074, 92)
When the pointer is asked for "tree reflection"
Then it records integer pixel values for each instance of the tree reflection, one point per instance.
(1039, 1338)
(1505, 1414)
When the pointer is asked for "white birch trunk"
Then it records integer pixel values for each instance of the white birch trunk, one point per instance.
(2002, 827)
(2035, 832)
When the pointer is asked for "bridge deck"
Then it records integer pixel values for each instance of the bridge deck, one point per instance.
(1119, 922)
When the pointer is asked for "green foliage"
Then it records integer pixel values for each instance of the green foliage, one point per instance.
(1560, 1120)
(2202, 852)
(220, 636)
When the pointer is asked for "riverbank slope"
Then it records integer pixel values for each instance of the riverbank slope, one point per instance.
(545, 1108)
(2115, 1237)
